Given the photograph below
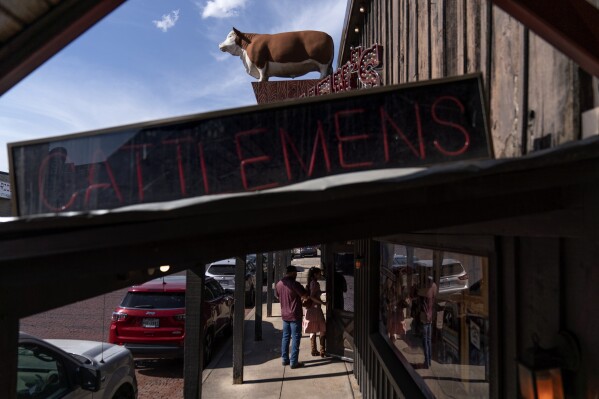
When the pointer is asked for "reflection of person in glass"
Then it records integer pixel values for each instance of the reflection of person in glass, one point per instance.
(427, 302)
(395, 326)
(56, 181)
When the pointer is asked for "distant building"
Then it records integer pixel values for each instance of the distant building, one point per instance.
(5, 195)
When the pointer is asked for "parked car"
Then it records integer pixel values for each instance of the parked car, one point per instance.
(308, 251)
(223, 271)
(453, 275)
(69, 368)
(150, 321)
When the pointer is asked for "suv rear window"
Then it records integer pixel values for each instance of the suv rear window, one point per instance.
(154, 300)
(222, 270)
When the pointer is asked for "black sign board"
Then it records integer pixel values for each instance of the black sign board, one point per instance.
(253, 148)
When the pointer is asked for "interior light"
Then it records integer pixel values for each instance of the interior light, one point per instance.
(357, 29)
(164, 268)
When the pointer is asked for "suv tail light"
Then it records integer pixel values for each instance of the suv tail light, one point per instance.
(464, 277)
(118, 316)
(180, 317)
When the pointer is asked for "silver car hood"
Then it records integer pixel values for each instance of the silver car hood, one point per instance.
(94, 350)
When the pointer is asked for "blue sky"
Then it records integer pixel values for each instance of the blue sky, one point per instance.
(152, 59)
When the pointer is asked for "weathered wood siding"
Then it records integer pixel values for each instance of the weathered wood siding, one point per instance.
(532, 89)
(533, 92)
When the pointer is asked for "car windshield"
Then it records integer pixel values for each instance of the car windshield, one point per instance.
(226, 270)
(154, 300)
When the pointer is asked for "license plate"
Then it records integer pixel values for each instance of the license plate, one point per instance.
(150, 323)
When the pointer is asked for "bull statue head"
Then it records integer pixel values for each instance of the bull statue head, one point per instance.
(287, 55)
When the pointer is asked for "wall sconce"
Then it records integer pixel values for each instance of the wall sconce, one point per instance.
(357, 29)
(363, 9)
(164, 268)
(540, 372)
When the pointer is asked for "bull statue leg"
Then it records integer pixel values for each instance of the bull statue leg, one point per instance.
(263, 73)
(325, 70)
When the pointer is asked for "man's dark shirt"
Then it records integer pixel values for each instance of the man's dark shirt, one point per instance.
(290, 294)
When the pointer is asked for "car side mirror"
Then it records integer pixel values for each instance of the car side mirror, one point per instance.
(89, 379)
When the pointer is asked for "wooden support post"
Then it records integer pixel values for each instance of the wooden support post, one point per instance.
(258, 301)
(193, 355)
(9, 340)
(239, 320)
(269, 282)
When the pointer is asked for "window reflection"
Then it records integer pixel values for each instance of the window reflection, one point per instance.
(434, 313)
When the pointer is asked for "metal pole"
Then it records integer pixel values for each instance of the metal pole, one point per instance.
(269, 278)
(193, 355)
(258, 301)
(239, 320)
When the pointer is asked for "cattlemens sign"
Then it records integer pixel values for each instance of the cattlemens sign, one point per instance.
(253, 148)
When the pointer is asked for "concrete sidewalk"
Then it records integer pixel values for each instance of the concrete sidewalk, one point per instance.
(265, 378)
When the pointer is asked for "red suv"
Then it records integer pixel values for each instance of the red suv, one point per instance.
(150, 321)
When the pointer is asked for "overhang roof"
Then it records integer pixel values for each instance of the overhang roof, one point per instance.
(100, 250)
(32, 31)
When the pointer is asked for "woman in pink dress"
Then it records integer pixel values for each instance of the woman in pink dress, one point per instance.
(314, 322)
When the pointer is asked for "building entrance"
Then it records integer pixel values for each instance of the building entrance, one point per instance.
(338, 259)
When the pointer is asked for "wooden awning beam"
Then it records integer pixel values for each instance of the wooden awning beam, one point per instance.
(571, 26)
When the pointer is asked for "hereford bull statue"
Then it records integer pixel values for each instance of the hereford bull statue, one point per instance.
(286, 55)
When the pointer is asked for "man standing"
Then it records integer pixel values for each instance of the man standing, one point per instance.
(291, 294)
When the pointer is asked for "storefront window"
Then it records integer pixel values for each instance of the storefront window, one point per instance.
(434, 312)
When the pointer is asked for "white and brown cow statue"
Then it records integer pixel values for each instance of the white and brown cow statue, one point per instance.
(286, 55)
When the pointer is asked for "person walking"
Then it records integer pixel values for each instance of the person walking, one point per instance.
(314, 322)
(291, 294)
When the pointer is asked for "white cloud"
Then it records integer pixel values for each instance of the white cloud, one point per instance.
(168, 21)
(223, 8)
(310, 15)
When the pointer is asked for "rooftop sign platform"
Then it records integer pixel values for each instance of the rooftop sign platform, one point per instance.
(253, 148)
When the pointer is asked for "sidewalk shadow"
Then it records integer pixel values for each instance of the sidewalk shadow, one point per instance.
(255, 352)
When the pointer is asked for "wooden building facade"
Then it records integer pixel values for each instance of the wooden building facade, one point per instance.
(537, 268)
